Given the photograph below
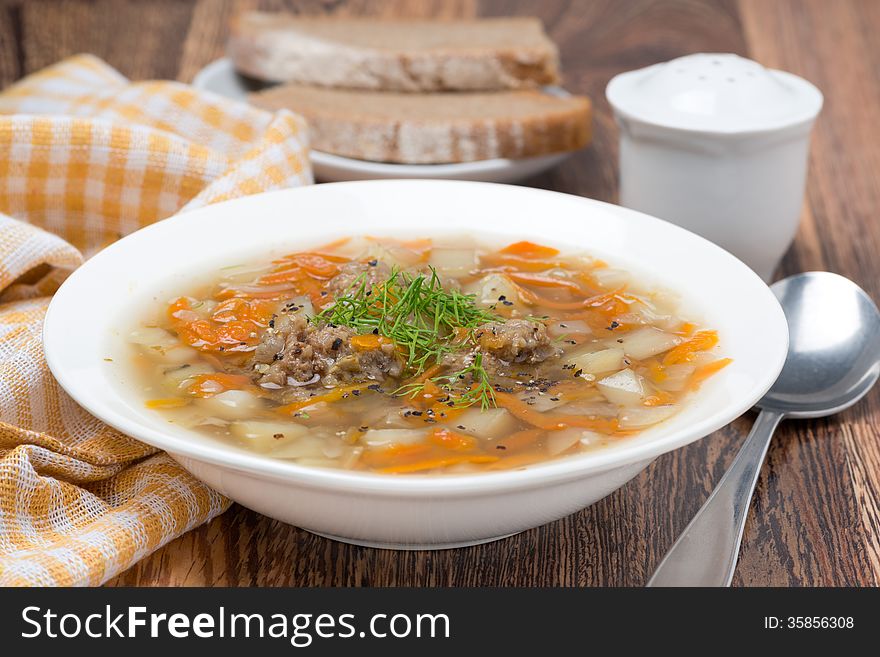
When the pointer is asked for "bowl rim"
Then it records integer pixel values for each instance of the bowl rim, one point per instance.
(548, 472)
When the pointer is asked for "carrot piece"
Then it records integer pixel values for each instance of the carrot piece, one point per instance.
(388, 455)
(656, 371)
(452, 439)
(368, 341)
(687, 329)
(243, 293)
(575, 390)
(658, 399)
(518, 460)
(544, 281)
(686, 351)
(428, 395)
(707, 370)
(520, 439)
(320, 262)
(524, 412)
(288, 275)
(256, 310)
(424, 376)
(507, 263)
(207, 335)
(169, 402)
(208, 385)
(591, 302)
(439, 462)
(336, 394)
(299, 267)
(318, 266)
(530, 250)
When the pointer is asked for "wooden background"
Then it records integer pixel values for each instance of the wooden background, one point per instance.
(815, 518)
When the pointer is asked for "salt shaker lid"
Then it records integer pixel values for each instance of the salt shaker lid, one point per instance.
(719, 93)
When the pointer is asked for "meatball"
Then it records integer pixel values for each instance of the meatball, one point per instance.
(294, 351)
(373, 272)
(516, 341)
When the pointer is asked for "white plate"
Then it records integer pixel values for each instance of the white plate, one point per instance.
(114, 287)
(220, 77)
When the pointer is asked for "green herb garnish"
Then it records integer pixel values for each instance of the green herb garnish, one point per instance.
(426, 322)
(480, 392)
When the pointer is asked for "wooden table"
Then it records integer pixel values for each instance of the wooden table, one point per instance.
(816, 515)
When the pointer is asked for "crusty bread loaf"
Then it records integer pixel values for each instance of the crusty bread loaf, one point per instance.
(434, 128)
(394, 55)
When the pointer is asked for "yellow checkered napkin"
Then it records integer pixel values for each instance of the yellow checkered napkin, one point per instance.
(86, 157)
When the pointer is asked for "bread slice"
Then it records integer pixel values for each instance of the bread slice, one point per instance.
(394, 55)
(434, 128)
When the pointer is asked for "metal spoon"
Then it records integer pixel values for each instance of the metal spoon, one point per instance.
(833, 361)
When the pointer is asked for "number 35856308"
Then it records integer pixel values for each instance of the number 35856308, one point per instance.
(809, 622)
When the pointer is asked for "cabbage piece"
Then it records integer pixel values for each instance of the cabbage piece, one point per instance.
(264, 436)
(610, 278)
(646, 342)
(542, 402)
(564, 439)
(560, 441)
(453, 262)
(645, 416)
(568, 327)
(231, 405)
(394, 255)
(174, 378)
(490, 289)
(151, 336)
(489, 424)
(381, 417)
(599, 408)
(590, 361)
(304, 306)
(625, 388)
(386, 437)
(170, 356)
(308, 446)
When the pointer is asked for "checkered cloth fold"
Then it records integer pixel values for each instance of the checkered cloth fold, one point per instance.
(87, 156)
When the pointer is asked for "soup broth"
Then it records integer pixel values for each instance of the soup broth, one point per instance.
(421, 356)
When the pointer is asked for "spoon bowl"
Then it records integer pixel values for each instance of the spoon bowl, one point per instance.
(834, 346)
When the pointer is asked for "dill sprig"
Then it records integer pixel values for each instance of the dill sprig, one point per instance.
(425, 320)
(480, 391)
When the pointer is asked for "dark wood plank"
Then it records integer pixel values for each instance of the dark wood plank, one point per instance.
(141, 40)
(10, 43)
(816, 517)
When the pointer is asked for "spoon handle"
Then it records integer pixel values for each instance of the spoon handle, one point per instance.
(706, 552)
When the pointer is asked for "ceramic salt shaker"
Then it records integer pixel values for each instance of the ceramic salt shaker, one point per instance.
(717, 144)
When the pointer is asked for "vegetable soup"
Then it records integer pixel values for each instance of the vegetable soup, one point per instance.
(422, 356)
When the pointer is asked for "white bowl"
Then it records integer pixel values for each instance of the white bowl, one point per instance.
(159, 261)
(220, 77)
